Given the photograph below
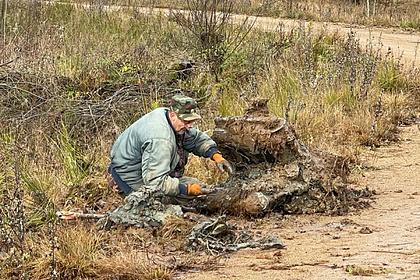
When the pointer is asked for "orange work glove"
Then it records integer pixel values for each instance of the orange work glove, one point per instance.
(222, 164)
(194, 189)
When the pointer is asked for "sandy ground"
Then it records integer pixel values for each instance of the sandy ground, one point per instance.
(383, 241)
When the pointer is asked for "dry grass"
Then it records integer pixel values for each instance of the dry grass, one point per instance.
(326, 101)
(78, 250)
(132, 265)
(84, 253)
(175, 227)
(174, 232)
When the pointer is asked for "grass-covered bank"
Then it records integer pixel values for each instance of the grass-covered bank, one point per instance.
(77, 78)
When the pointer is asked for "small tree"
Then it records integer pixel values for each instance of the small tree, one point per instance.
(212, 35)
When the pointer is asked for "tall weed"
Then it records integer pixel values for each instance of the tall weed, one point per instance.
(74, 163)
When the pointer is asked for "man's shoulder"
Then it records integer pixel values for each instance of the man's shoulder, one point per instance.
(157, 114)
(154, 123)
(159, 110)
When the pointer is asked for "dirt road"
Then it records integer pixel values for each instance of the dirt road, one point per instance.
(383, 240)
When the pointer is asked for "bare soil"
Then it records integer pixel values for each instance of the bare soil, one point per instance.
(381, 241)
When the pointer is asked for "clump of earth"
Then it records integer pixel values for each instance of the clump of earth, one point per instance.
(276, 172)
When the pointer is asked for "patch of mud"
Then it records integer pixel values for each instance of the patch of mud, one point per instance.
(276, 172)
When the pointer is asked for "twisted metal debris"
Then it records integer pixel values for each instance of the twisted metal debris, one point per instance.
(217, 236)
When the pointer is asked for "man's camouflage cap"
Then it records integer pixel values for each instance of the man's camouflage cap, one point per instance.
(185, 107)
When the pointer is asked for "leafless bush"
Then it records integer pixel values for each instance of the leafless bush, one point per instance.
(208, 24)
(32, 101)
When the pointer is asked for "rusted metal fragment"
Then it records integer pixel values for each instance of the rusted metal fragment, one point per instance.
(258, 137)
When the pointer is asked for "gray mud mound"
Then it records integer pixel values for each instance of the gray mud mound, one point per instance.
(141, 209)
(276, 172)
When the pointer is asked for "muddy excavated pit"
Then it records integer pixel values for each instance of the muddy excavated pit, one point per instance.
(276, 172)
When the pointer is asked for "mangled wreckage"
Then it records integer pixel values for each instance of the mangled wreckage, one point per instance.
(274, 172)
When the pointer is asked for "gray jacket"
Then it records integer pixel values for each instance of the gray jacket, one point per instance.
(145, 153)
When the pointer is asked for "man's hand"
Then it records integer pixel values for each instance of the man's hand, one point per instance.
(194, 189)
(222, 164)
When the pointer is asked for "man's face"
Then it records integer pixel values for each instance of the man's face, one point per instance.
(180, 125)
